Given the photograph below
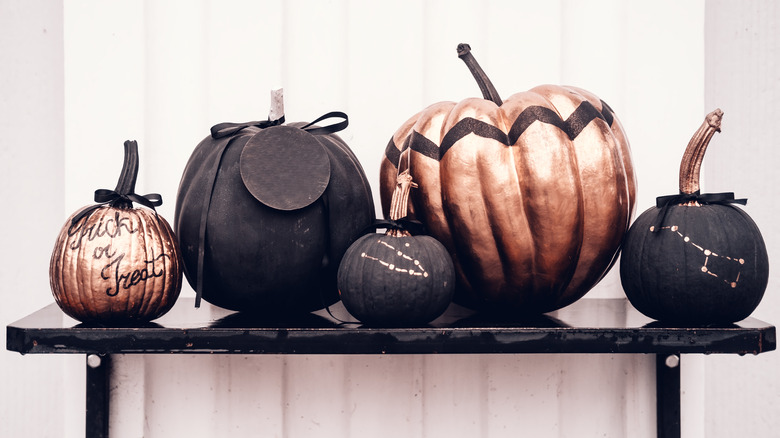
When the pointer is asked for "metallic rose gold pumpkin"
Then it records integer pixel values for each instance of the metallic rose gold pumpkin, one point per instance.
(531, 195)
(116, 263)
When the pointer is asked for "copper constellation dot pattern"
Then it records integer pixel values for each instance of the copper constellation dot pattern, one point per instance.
(707, 254)
(399, 253)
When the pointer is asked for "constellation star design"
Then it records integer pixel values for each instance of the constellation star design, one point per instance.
(418, 270)
(707, 254)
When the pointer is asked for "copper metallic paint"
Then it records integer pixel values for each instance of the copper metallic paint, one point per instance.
(531, 226)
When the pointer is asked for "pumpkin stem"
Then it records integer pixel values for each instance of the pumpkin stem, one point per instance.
(690, 167)
(488, 90)
(129, 174)
(277, 105)
(399, 202)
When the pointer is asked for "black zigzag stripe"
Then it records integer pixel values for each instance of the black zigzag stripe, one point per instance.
(573, 126)
(392, 153)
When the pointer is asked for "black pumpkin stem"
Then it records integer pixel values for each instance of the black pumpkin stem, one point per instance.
(129, 174)
(485, 85)
(690, 167)
(400, 201)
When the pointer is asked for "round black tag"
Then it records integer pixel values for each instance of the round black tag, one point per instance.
(285, 168)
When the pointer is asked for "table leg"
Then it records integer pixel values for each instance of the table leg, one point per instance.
(98, 373)
(667, 381)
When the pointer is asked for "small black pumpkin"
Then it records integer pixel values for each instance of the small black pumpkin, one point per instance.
(396, 278)
(265, 211)
(695, 258)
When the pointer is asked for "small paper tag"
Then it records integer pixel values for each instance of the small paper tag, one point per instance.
(285, 168)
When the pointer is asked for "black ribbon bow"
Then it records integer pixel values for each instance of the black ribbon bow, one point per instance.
(228, 128)
(105, 196)
(665, 202)
(414, 227)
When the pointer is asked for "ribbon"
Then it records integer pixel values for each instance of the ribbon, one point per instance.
(105, 196)
(414, 227)
(330, 129)
(227, 129)
(665, 202)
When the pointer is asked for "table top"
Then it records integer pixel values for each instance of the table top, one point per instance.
(591, 325)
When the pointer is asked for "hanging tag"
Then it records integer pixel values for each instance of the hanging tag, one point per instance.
(285, 168)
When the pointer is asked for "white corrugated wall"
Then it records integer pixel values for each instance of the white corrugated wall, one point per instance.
(163, 72)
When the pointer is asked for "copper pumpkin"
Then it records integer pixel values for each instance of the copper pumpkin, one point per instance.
(115, 263)
(531, 195)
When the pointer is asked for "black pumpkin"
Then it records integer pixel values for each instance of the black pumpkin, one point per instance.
(396, 278)
(695, 258)
(265, 212)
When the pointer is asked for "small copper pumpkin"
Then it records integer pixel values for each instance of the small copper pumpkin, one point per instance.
(115, 263)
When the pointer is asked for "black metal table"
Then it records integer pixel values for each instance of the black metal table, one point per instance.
(587, 326)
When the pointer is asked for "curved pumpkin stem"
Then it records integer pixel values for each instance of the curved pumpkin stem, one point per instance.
(485, 85)
(399, 203)
(129, 174)
(690, 167)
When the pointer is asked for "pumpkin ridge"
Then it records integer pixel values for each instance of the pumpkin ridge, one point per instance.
(461, 207)
(55, 268)
(551, 207)
(622, 206)
(150, 297)
(82, 279)
(498, 242)
(596, 251)
(513, 277)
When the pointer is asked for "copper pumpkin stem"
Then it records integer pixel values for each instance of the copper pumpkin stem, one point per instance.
(690, 167)
(399, 203)
(485, 85)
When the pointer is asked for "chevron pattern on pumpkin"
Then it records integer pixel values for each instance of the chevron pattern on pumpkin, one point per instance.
(573, 126)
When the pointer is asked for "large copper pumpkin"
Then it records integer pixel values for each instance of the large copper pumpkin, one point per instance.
(531, 195)
(113, 263)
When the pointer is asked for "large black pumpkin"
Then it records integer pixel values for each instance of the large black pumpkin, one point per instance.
(265, 212)
(695, 258)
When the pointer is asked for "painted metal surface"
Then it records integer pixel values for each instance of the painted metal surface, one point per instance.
(587, 326)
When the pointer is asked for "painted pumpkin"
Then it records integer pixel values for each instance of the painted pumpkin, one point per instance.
(695, 258)
(115, 263)
(265, 211)
(396, 278)
(531, 195)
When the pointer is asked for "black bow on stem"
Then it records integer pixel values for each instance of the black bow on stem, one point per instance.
(414, 227)
(105, 196)
(665, 202)
(228, 128)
